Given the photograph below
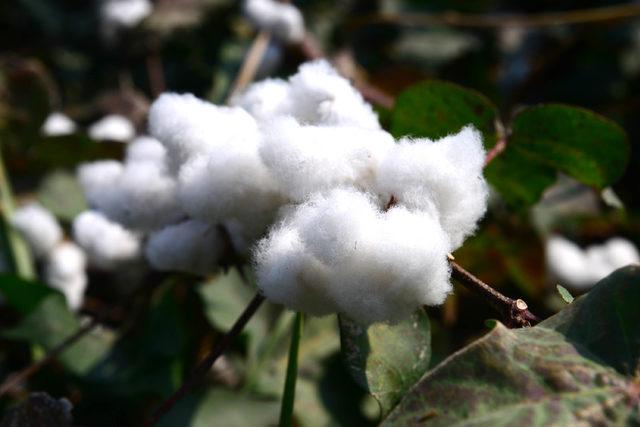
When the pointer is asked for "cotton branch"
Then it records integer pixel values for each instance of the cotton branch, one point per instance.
(514, 312)
(205, 365)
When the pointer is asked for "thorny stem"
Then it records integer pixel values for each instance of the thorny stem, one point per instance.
(205, 365)
(15, 380)
(514, 312)
(546, 19)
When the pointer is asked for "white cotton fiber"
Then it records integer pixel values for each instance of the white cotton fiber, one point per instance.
(58, 124)
(340, 253)
(113, 127)
(443, 177)
(266, 99)
(107, 244)
(582, 268)
(96, 179)
(188, 126)
(146, 149)
(38, 226)
(191, 247)
(116, 15)
(321, 96)
(141, 196)
(65, 271)
(309, 159)
(283, 20)
(230, 182)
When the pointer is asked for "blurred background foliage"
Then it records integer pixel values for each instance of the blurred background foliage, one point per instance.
(54, 56)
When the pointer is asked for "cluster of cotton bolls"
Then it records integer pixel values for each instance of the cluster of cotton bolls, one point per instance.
(283, 20)
(581, 268)
(64, 262)
(337, 215)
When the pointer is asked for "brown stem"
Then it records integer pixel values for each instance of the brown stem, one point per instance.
(155, 72)
(515, 313)
(14, 380)
(545, 19)
(495, 151)
(205, 365)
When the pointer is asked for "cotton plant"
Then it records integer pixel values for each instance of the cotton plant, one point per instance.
(580, 268)
(112, 127)
(298, 176)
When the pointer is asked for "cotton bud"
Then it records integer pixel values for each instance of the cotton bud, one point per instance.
(281, 19)
(65, 271)
(309, 159)
(112, 128)
(107, 244)
(57, 124)
(191, 247)
(340, 253)
(39, 228)
(443, 177)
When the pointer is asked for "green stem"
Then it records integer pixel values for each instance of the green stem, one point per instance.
(286, 411)
(18, 250)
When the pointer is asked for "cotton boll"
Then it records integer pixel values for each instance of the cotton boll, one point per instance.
(598, 262)
(307, 159)
(339, 253)
(266, 100)
(322, 97)
(143, 198)
(97, 180)
(281, 19)
(188, 126)
(65, 271)
(191, 246)
(444, 177)
(116, 15)
(38, 226)
(287, 274)
(621, 252)
(113, 127)
(567, 262)
(146, 149)
(58, 124)
(108, 245)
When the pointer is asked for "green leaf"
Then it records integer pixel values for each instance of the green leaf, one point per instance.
(434, 109)
(23, 295)
(577, 367)
(50, 323)
(386, 360)
(578, 142)
(61, 194)
(565, 294)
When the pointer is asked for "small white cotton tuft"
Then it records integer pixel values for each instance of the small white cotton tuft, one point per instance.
(38, 226)
(340, 253)
(582, 268)
(188, 126)
(191, 247)
(58, 124)
(97, 177)
(65, 271)
(266, 99)
(281, 19)
(113, 127)
(322, 97)
(443, 177)
(146, 149)
(116, 15)
(107, 244)
(309, 159)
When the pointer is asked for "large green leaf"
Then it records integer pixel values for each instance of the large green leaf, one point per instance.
(434, 109)
(49, 323)
(562, 371)
(386, 360)
(578, 142)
